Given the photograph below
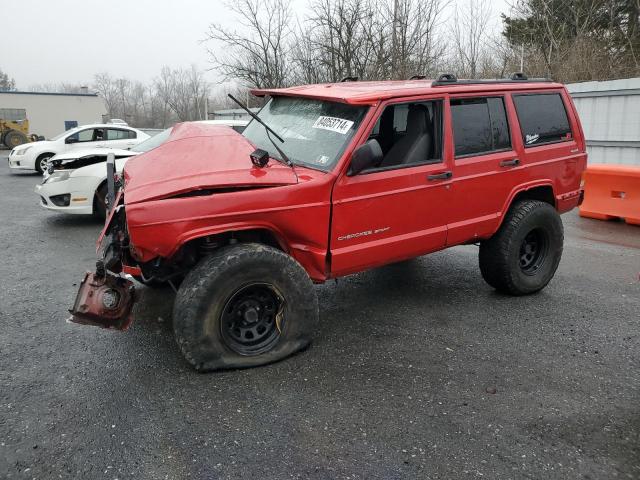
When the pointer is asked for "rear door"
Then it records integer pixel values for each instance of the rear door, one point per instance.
(120, 138)
(486, 165)
(397, 210)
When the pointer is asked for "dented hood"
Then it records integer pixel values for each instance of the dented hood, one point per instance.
(198, 157)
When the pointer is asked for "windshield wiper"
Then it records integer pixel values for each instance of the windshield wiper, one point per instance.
(268, 129)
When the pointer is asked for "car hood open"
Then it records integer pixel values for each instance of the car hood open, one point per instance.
(199, 157)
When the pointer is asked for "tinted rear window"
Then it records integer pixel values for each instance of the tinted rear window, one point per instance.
(543, 118)
(479, 125)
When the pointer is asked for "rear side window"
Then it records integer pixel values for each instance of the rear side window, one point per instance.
(543, 118)
(479, 125)
(114, 134)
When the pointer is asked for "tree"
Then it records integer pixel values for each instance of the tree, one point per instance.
(415, 47)
(368, 39)
(6, 83)
(576, 40)
(470, 22)
(184, 92)
(257, 55)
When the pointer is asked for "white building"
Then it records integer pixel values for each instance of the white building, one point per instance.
(610, 116)
(52, 113)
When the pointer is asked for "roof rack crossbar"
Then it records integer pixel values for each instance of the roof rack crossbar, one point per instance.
(440, 83)
(349, 79)
(417, 77)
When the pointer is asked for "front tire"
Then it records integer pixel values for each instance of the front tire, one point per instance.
(42, 161)
(100, 202)
(243, 306)
(523, 255)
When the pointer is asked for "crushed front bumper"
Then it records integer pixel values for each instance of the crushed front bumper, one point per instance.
(104, 300)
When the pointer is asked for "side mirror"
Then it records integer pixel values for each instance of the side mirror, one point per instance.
(365, 156)
(70, 140)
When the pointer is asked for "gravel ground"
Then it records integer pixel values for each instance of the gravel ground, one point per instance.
(419, 370)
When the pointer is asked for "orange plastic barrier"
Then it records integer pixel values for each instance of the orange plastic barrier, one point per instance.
(612, 191)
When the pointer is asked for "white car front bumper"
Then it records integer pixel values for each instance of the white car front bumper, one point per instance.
(69, 196)
(21, 162)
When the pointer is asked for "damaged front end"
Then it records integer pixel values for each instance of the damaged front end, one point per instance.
(106, 297)
(104, 300)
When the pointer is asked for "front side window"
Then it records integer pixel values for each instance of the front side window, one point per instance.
(409, 134)
(88, 135)
(315, 132)
(543, 118)
(479, 126)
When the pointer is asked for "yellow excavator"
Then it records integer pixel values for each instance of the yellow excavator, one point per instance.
(14, 127)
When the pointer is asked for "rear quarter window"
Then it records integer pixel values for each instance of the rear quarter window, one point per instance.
(543, 118)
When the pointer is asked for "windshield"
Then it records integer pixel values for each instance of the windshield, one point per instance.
(315, 132)
(152, 142)
(65, 133)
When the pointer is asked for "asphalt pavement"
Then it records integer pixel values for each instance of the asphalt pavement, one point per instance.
(419, 370)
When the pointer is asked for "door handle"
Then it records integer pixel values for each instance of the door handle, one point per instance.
(439, 176)
(510, 163)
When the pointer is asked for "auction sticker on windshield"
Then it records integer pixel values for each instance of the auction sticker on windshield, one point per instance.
(333, 124)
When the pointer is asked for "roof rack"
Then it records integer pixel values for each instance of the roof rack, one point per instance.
(349, 79)
(417, 77)
(518, 77)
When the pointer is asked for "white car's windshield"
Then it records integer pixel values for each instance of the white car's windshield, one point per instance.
(315, 132)
(65, 133)
(153, 142)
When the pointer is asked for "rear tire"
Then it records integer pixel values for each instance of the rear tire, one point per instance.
(523, 255)
(243, 306)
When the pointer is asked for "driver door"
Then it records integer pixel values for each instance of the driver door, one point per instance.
(396, 210)
(89, 137)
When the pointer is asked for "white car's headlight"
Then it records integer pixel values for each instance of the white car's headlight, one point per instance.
(23, 151)
(58, 176)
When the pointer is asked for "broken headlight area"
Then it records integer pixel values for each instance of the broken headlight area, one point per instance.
(57, 176)
(104, 300)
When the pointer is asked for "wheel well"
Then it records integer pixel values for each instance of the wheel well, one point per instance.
(543, 193)
(257, 235)
(95, 193)
(45, 154)
(191, 252)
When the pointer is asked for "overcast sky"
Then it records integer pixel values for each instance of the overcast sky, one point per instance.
(71, 40)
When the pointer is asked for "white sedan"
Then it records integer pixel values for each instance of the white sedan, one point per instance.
(34, 156)
(75, 182)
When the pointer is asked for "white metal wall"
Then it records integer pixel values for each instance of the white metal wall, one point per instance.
(610, 116)
(48, 112)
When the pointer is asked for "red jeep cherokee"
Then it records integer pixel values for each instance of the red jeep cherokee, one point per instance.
(330, 180)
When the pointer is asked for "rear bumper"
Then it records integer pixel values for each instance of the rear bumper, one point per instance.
(570, 200)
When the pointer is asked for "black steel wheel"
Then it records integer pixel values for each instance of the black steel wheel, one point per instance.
(252, 319)
(533, 251)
